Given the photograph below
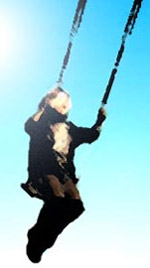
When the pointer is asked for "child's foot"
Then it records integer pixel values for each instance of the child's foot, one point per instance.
(37, 246)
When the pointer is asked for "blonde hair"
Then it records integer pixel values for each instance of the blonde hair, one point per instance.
(51, 95)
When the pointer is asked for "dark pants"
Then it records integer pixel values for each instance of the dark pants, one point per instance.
(54, 216)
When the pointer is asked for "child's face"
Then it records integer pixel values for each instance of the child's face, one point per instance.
(61, 103)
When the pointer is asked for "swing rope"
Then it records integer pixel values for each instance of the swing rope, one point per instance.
(127, 31)
(74, 29)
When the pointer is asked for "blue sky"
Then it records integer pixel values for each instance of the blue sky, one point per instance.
(114, 171)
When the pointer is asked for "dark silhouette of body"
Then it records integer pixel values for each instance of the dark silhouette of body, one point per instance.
(51, 169)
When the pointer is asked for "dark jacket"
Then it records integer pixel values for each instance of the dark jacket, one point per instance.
(43, 159)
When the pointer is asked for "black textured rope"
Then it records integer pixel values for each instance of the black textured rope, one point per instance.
(74, 29)
(127, 31)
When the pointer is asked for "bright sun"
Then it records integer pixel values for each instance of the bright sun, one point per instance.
(7, 38)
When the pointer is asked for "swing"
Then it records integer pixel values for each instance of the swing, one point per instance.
(74, 29)
(127, 31)
(58, 212)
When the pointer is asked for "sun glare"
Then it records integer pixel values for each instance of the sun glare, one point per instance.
(7, 38)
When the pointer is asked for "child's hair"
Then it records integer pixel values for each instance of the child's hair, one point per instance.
(51, 95)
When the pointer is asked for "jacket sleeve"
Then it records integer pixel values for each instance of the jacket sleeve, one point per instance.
(83, 134)
(31, 126)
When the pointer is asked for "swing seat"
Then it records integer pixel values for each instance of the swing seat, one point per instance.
(30, 190)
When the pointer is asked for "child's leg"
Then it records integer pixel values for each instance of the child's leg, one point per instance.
(54, 217)
(56, 186)
(71, 189)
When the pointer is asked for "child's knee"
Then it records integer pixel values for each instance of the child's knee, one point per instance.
(56, 186)
(71, 189)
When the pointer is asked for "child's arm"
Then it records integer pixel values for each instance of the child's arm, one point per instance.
(88, 135)
(100, 119)
(37, 116)
(40, 120)
(32, 123)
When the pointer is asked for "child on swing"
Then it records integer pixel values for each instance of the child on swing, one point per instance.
(52, 178)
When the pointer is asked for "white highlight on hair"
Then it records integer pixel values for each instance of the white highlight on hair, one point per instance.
(62, 103)
(61, 137)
